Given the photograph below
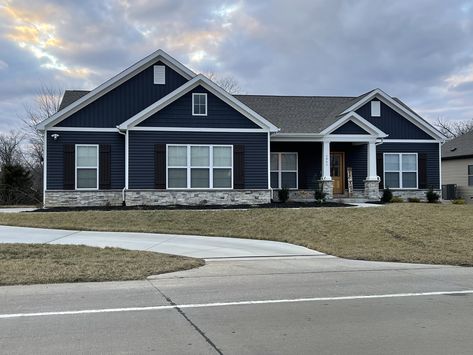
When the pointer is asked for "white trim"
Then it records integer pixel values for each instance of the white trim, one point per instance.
(388, 100)
(83, 129)
(279, 171)
(410, 141)
(187, 87)
(193, 103)
(269, 160)
(127, 159)
(400, 171)
(358, 120)
(194, 129)
(189, 167)
(313, 137)
(86, 167)
(115, 82)
(45, 165)
(440, 165)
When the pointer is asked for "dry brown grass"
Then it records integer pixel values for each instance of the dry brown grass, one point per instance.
(43, 263)
(419, 233)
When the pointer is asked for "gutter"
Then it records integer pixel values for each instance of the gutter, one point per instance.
(126, 165)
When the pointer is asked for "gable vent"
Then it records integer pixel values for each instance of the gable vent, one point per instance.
(375, 108)
(160, 74)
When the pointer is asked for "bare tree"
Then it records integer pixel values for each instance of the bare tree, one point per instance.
(228, 83)
(11, 148)
(452, 129)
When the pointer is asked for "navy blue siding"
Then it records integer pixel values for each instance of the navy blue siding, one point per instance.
(392, 123)
(432, 151)
(179, 114)
(55, 151)
(125, 100)
(141, 154)
(350, 128)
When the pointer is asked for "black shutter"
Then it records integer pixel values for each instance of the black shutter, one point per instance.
(160, 166)
(422, 163)
(239, 166)
(380, 168)
(69, 167)
(105, 166)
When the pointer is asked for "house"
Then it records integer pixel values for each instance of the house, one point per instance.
(457, 165)
(157, 133)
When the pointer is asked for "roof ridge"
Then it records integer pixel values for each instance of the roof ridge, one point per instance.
(308, 96)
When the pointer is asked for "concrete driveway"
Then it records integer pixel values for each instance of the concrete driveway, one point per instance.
(195, 246)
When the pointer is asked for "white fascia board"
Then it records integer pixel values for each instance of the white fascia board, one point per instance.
(312, 137)
(114, 82)
(388, 100)
(197, 129)
(187, 87)
(357, 119)
(83, 129)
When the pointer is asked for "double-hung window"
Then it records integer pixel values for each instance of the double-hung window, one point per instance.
(470, 175)
(199, 104)
(200, 166)
(284, 170)
(400, 170)
(87, 166)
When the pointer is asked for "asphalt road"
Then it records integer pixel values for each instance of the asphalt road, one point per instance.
(301, 305)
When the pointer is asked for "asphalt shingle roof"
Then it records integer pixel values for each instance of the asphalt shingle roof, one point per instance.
(458, 147)
(71, 96)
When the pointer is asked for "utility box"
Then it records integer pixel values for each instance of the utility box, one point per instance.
(449, 192)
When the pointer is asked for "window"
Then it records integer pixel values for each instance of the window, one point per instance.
(375, 108)
(470, 175)
(159, 74)
(199, 104)
(284, 170)
(400, 170)
(87, 164)
(200, 166)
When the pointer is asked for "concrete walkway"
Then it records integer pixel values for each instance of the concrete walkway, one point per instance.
(186, 245)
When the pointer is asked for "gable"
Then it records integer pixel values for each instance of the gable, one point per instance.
(350, 127)
(393, 123)
(125, 100)
(179, 114)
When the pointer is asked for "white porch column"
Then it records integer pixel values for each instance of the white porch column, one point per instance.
(372, 171)
(326, 161)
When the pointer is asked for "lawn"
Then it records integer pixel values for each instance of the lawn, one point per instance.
(44, 263)
(405, 232)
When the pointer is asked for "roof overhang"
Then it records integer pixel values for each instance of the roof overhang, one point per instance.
(115, 82)
(357, 119)
(199, 80)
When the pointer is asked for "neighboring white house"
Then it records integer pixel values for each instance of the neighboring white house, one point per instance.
(457, 165)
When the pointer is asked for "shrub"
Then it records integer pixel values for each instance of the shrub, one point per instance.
(283, 194)
(432, 196)
(387, 195)
(413, 199)
(397, 199)
(458, 201)
(319, 195)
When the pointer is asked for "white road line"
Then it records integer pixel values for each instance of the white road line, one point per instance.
(228, 304)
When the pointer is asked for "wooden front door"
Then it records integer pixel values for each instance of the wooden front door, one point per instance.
(337, 171)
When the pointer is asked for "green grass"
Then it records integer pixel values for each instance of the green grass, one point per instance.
(44, 263)
(418, 233)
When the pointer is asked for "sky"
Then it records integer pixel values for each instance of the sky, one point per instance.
(420, 51)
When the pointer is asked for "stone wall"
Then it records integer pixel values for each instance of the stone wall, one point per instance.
(65, 198)
(405, 194)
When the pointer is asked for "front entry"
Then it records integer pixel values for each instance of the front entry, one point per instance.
(337, 171)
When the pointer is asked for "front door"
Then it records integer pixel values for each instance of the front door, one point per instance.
(337, 171)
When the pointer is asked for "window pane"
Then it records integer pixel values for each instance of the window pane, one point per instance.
(87, 178)
(274, 181)
(409, 162)
(222, 156)
(222, 178)
(470, 180)
(87, 156)
(409, 180)
(470, 169)
(391, 162)
(274, 161)
(177, 156)
(200, 178)
(199, 156)
(288, 180)
(177, 178)
(288, 162)
(392, 180)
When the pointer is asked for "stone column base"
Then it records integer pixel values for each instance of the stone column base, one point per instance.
(372, 189)
(327, 187)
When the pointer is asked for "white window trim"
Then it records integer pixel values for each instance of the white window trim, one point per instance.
(188, 166)
(400, 171)
(206, 104)
(86, 167)
(280, 170)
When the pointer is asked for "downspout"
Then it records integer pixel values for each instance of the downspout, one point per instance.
(126, 166)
